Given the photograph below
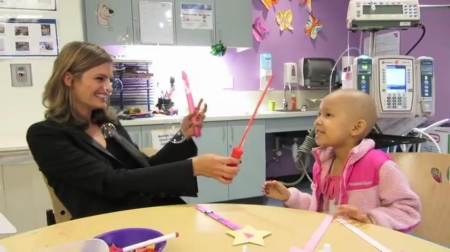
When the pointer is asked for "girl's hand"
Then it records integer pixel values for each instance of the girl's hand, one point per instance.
(275, 190)
(351, 212)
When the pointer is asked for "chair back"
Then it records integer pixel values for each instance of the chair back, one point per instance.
(59, 210)
(149, 151)
(428, 175)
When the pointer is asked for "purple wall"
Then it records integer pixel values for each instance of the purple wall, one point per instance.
(290, 46)
(435, 44)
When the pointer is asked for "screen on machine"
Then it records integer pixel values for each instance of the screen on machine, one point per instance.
(396, 78)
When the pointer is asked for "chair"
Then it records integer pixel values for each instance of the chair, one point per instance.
(434, 195)
(149, 151)
(60, 213)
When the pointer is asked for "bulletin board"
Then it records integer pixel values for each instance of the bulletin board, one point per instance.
(49, 5)
(28, 37)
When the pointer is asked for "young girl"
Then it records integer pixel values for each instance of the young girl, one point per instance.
(351, 178)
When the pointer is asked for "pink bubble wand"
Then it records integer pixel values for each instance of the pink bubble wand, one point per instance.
(190, 102)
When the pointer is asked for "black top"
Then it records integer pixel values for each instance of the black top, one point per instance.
(89, 179)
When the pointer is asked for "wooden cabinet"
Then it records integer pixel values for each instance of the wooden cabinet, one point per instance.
(108, 22)
(116, 22)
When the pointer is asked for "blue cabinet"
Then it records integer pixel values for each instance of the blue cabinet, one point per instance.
(116, 22)
(193, 37)
(234, 30)
(108, 22)
(220, 138)
(253, 170)
(213, 141)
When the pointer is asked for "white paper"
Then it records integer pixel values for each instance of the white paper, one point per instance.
(385, 44)
(5, 226)
(162, 137)
(29, 4)
(196, 16)
(156, 22)
(28, 37)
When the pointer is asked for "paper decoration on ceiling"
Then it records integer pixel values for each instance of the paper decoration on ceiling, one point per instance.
(269, 3)
(284, 20)
(307, 4)
(313, 26)
(248, 235)
(259, 31)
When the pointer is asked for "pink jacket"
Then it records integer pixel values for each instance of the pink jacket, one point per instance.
(371, 182)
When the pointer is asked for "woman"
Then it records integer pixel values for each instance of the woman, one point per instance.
(93, 174)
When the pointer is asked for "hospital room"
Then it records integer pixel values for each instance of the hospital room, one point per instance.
(263, 125)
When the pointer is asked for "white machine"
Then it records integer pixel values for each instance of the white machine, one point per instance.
(395, 89)
(382, 15)
(402, 86)
(425, 80)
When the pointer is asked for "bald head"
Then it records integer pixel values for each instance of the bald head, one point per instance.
(357, 105)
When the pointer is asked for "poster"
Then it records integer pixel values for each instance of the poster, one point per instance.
(28, 37)
(385, 44)
(29, 4)
(161, 137)
(196, 16)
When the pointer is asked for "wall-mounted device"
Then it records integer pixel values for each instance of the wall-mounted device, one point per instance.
(426, 88)
(21, 75)
(381, 15)
(265, 69)
(314, 73)
(290, 73)
(362, 74)
(395, 89)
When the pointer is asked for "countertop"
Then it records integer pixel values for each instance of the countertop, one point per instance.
(217, 117)
(210, 117)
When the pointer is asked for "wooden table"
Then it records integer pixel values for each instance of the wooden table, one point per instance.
(289, 227)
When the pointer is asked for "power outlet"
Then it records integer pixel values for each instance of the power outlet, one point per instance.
(21, 75)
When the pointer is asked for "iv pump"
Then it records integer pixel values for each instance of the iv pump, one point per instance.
(402, 86)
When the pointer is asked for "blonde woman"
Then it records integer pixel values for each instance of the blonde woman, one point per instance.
(92, 174)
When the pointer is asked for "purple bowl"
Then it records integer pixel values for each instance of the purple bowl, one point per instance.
(129, 236)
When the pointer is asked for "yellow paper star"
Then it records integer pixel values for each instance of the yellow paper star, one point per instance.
(248, 235)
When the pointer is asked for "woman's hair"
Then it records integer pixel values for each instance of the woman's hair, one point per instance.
(75, 58)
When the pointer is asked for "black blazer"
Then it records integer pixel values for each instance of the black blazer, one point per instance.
(88, 180)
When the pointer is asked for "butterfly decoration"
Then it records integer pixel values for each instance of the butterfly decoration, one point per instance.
(313, 26)
(284, 20)
(308, 4)
(259, 31)
(269, 3)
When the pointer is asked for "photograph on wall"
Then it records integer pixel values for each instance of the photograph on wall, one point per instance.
(49, 5)
(197, 16)
(29, 37)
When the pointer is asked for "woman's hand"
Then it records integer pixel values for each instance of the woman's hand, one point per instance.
(351, 212)
(188, 124)
(214, 166)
